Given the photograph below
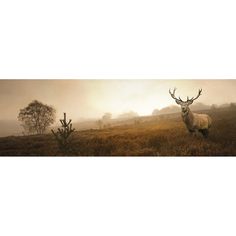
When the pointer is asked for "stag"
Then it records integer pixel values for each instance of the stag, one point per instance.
(193, 121)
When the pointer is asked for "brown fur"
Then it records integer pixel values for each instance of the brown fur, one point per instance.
(194, 121)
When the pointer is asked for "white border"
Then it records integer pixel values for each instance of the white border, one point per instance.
(106, 39)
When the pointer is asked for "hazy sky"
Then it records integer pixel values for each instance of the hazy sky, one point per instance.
(92, 98)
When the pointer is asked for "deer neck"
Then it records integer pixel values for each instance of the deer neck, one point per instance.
(188, 117)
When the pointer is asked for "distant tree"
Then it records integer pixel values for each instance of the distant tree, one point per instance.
(213, 107)
(106, 120)
(232, 105)
(107, 116)
(37, 117)
(128, 115)
(99, 123)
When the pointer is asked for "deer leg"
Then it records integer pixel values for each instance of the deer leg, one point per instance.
(204, 132)
(191, 132)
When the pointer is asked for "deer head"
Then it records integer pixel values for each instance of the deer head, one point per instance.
(184, 104)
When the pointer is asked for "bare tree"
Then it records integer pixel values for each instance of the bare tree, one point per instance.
(106, 120)
(99, 123)
(213, 107)
(36, 117)
(107, 116)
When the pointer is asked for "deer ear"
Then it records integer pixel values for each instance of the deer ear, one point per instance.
(190, 102)
(178, 102)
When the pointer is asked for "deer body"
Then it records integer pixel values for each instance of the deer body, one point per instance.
(193, 121)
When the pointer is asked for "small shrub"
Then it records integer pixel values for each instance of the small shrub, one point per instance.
(63, 136)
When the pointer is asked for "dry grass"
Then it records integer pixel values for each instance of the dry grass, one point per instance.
(165, 136)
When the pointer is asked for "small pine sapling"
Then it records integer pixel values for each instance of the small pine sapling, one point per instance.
(63, 135)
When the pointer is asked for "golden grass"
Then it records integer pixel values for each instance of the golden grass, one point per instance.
(165, 136)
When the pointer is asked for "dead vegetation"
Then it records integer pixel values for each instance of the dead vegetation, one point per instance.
(158, 136)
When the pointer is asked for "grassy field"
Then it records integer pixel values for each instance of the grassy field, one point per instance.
(155, 136)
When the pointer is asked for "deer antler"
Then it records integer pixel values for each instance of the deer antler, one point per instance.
(178, 100)
(192, 99)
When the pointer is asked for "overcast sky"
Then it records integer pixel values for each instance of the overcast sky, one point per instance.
(92, 98)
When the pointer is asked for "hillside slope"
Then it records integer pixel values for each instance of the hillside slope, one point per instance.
(154, 136)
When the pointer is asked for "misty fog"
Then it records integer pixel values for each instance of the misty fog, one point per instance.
(90, 99)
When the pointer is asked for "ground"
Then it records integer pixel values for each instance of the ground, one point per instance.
(153, 136)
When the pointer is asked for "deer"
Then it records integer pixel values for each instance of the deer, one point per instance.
(193, 121)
